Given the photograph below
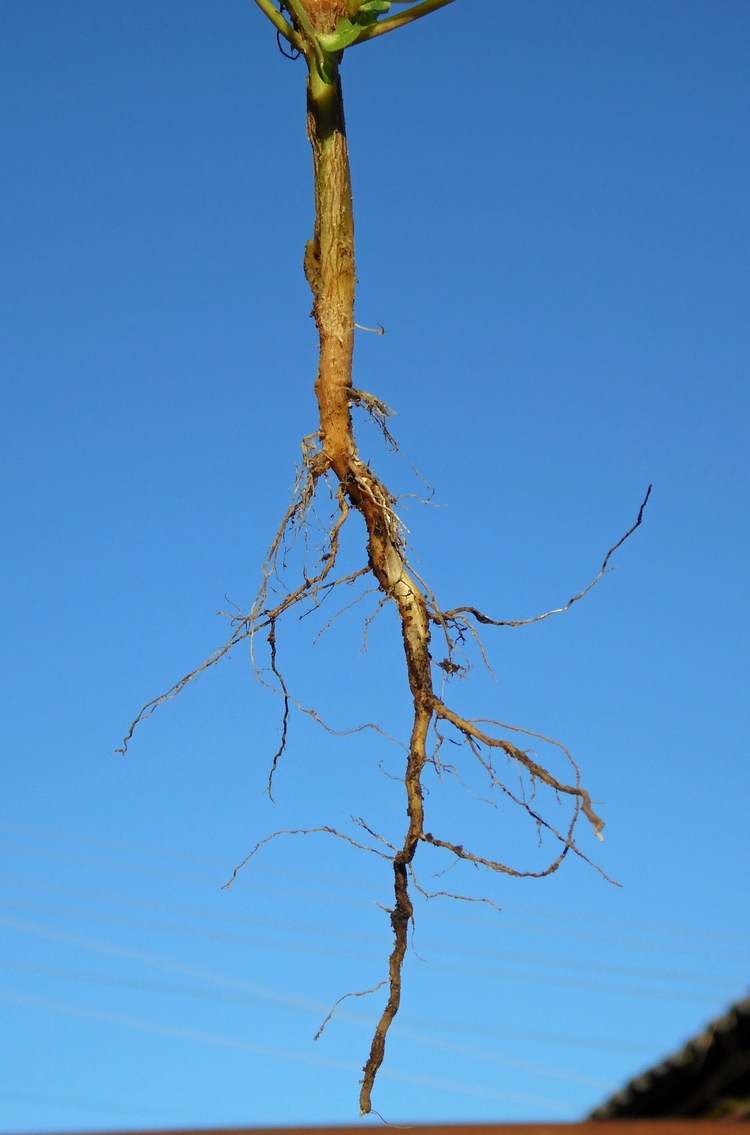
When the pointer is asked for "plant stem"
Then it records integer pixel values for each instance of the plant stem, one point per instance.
(390, 23)
(329, 267)
(278, 21)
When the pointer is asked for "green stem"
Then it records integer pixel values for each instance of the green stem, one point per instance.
(326, 62)
(301, 15)
(390, 23)
(280, 23)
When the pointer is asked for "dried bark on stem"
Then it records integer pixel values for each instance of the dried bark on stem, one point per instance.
(329, 267)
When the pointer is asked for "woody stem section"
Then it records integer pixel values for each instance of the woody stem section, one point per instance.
(329, 267)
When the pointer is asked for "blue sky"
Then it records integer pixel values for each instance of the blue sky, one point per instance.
(552, 223)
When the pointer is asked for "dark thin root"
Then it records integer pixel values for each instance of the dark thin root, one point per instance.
(284, 716)
(448, 894)
(299, 831)
(354, 993)
(482, 618)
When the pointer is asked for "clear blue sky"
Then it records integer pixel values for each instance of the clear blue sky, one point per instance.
(552, 211)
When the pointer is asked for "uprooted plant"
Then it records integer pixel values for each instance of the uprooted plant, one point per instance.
(320, 31)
